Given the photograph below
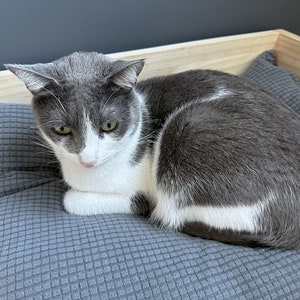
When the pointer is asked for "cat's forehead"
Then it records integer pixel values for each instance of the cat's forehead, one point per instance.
(83, 66)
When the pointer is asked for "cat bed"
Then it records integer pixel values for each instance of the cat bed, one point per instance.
(49, 254)
(276, 80)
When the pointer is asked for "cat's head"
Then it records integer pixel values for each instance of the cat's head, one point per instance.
(85, 104)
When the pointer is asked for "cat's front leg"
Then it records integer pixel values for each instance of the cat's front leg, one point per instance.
(87, 203)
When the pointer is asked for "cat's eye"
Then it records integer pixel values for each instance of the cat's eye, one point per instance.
(107, 127)
(63, 130)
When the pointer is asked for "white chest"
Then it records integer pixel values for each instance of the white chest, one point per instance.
(115, 176)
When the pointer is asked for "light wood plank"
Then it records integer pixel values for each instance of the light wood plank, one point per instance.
(288, 51)
(12, 90)
(231, 54)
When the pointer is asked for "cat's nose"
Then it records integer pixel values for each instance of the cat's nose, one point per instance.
(87, 164)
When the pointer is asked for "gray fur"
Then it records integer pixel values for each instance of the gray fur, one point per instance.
(234, 150)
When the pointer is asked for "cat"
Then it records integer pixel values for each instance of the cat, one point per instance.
(202, 151)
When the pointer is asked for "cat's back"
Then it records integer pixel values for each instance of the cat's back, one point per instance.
(164, 94)
(246, 126)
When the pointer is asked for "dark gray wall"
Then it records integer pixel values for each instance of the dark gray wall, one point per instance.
(42, 30)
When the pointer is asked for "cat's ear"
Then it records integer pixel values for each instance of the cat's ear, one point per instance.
(125, 73)
(34, 76)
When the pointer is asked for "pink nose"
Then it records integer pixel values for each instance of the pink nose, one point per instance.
(87, 164)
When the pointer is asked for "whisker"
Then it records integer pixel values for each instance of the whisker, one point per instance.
(146, 137)
(58, 100)
(108, 99)
(39, 141)
(50, 122)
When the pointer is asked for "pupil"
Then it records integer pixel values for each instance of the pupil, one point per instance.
(109, 125)
(62, 128)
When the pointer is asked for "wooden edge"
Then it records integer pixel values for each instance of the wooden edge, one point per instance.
(211, 41)
(288, 34)
(12, 89)
(288, 51)
(231, 54)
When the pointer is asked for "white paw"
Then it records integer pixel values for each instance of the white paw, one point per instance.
(85, 203)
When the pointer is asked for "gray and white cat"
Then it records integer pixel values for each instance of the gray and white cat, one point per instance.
(202, 151)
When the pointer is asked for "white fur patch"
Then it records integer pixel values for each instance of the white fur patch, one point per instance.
(92, 144)
(219, 94)
(239, 217)
(85, 203)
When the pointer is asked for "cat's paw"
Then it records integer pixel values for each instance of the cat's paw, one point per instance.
(85, 203)
(141, 205)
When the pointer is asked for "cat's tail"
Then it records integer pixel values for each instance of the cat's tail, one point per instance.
(242, 238)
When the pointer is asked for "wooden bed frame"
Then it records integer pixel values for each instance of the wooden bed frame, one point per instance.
(231, 54)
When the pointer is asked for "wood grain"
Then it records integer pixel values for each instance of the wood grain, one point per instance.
(288, 51)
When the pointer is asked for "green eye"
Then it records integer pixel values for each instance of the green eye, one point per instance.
(107, 127)
(62, 130)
